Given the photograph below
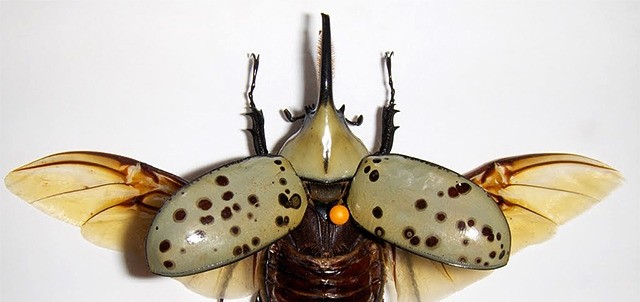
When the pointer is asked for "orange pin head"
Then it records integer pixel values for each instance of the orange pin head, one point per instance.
(339, 214)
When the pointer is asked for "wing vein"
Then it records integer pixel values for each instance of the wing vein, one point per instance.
(552, 189)
(78, 190)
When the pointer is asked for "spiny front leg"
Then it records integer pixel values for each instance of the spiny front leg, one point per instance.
(388, 128)
(257, 119)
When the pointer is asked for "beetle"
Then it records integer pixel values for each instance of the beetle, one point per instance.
(322, 220)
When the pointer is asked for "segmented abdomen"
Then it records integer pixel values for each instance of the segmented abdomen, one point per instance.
(356, 276)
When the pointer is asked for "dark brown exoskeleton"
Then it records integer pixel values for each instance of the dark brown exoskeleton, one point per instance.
(322, 261)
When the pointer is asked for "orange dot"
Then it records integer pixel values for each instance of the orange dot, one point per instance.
(339, 214)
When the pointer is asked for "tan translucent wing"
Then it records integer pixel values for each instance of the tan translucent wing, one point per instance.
(76, 186)
(232, 281)
(121, 228)
(536, 193)
(420, 279)
(114, 200)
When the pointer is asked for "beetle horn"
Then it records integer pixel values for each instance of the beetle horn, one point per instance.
(326, 64)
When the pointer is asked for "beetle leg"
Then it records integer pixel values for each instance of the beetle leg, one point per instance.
(388, 128)
(257, 119)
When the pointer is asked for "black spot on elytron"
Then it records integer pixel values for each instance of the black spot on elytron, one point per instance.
(282, 169)
(277, 162)
(255, 241)
(250, 215)
(415, 240)
(235, 230)
(179, 215)
(226, 213)
(373, 177)
(492, 254)
(471, 222)
(501, 255)
(486, 264)
(206, 219)
(377, 212)
(252, 199)
(440, 194)
(282, 221)
(408, 232)
(462, 259)
(222, 180)
(169, 264)
(367, 169)
(460, 225)
(246, 249)
(283, 200)
(379, 232)
(287, 191)
(463, 188)
(183, 251)
(283, 181)
(237, 251)
(204, 204)
(486, 230)
(295, 201)
(165, 245)
(441, 216)
(499, 236)
(157, 228)
(227, 195)
(377, 160)
(490, 238)
(465, 241)
(420, 204)
(502, 246)
(478, 260)
(236, 207)
(452, 192)
(432, 241)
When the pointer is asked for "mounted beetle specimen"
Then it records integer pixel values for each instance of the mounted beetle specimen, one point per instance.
(322, 220)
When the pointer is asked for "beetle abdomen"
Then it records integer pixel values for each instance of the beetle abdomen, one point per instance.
(294, 276)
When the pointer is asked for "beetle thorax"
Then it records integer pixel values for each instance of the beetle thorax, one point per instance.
(324, 149)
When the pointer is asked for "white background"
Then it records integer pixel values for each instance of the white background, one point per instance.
(164, 83)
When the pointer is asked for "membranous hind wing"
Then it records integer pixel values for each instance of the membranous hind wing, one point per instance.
(111, 198)
(536, 193)
(114, 199)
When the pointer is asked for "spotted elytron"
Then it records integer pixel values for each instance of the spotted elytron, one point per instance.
(322, 220)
